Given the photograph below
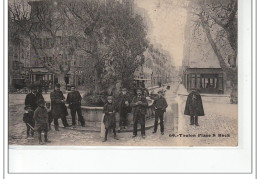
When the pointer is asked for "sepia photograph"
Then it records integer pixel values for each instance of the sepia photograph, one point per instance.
(123, 73)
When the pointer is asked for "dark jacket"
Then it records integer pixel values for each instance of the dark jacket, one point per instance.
(39, 96)
(160, 104)
(194, 105)
(109, 119)
(28, 117)
(122, 107)
(40, 117)
(58, 108)
(74, 99)
(139, 108)
(31, 100)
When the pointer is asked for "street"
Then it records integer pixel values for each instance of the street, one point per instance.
(220, 118)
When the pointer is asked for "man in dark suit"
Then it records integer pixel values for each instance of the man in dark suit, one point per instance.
(194, 107)
(139, 105)
(74, 101)
(124, 108)
(160, 106)
(58, 107)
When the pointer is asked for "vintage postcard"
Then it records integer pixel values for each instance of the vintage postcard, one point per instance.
(123, 72)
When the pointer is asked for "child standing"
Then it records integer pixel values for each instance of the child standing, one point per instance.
(28, 120)
(109, 118)
(160, 106)
(41, 121)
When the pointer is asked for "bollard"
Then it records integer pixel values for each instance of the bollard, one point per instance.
(171, 116)
(102, 129)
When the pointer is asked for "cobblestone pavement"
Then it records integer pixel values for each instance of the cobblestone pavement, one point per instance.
(220, 118)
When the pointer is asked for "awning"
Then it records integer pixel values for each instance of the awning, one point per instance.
(39, 71)
(140, 79)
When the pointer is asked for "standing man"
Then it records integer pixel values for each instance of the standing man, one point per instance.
(31, 100)
(58, 107)
(194, 107)
(74, 101)
(160, 106)
(139, 105)
(124, 108)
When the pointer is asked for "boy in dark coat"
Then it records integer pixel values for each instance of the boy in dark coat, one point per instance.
(160, 106)
(58, 107)
(139, 105)
(124, 108)
(28, 120)
(194, 107)
(74, 101)
(41, 121)
(109, 118)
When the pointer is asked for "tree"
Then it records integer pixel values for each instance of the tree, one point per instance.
(44, 24)
(218, 19)
(116, 39)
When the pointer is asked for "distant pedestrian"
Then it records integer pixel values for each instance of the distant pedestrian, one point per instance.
(124, 101)
(139, 105)
(194, 107)
(74, 101)
(31, 100)
(28, 120)
(41, 121)
(160, 106)
(58, 107)
(109, 118)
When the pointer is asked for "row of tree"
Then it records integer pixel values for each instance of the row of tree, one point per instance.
(112, 38)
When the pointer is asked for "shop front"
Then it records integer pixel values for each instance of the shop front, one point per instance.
(206, 80)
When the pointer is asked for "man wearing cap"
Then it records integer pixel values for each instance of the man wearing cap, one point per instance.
(74, 101)
(124, 108)
(58, 107)
(160, 106)
(139, 105)
(194, 107)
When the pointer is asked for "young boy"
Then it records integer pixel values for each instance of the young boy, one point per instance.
(109, 118)
(41, 121)
(160, 106)
(28, 120)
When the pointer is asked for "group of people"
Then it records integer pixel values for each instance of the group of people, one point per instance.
(38, 115)
(138, 106)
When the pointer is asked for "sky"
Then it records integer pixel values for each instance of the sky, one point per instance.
(168, 18)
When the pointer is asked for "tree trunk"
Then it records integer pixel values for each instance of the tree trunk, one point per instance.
(61, 81)
(231, 73)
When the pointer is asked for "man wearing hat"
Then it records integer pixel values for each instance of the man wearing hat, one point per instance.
(139, 105)
(58, 107)
(160, 106)
(194, 107)
(74, 101)
(124, 108)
